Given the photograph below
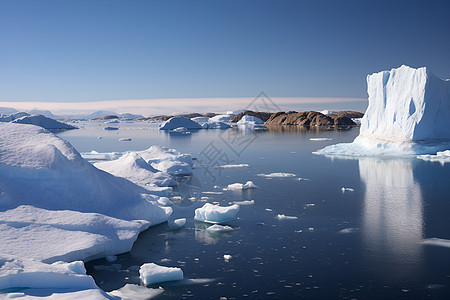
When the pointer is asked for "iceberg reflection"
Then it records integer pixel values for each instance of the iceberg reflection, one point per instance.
(392, 216)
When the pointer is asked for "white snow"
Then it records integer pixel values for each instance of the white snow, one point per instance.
(249, 120)
(216, 214)
(134, 168)
(181, 121)
(219, 228)
(408, 114)
(277, 175)
(43, 122)
(152, 273)
(441, 157)
(233, 166)
(284, 217)
(437, 242)
(240, 186)
(136, 292)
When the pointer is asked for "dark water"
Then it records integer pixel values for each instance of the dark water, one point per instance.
(365, 244)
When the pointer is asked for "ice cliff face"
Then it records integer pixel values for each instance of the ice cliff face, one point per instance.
(408, 113)
(406, 104)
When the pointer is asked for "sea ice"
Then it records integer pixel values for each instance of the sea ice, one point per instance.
(168, 160)
(233, 166)
(239, 186)
(441, 157)
(277, 175)
(221, 118)
(178, 223)
(408, 114)
(215, 125)
(284, 217)
(345, 189)
(227, 257)
(180, 121)
(124, 139)
(152, 273)
(210, 213)
(219, 228)
(245, 202)
(136, 292)
(320, 139)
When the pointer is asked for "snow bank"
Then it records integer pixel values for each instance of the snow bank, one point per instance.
(210, 213)
(239, 186)
(134, 168)
(408, 113)
(152, 273)
(181, 121)
(43, 122)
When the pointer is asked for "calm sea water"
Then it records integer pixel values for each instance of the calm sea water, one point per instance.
(365, 244)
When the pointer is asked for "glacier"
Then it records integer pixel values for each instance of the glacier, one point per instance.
(408, 114)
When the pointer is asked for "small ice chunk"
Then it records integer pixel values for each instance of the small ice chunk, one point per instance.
(216, 214)
(152, 273)
(437, 242)
(239, 186)
(227, 257)
(178, 223)
(277, 175)
(163, 201)
(111, 258)
(309, 204)
(136, 292)
(320, 139)
(245, 202)
(284, 217)
(348, 230)
(344, 189)
(125, 139)
(219, 228)
(233, 166)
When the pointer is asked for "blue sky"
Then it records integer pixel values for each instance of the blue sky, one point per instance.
(92, 50)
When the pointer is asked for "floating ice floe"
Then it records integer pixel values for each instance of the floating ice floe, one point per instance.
(125, 139)
(216, 214)
(441, 157)
(408, 114)
(135, 292)
(245, 202)
(233, 166)
(320, 139)
(178, 223)
(134, 168)
(180, 121)
(219, 228)
(240, 186)
(152, 273)
(345, 189)
(227, 257)
(277, 175)
(284, 217)
(348, 230)
(437, 242)
(111, 128)
(164, 201)
(180, 131)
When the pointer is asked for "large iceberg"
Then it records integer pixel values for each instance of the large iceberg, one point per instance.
(180, 121)
(43, 121)
(408, 113)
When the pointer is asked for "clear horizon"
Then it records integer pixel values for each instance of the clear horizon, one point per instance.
(103, 51)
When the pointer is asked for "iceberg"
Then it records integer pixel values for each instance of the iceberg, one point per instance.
(277, 175)
(408, 114)
(250, 120)
(134, 168)
(135, 292)
(215, 125)
(216, 214)
(219, 228)
(441, 157)
(168, 160)
(240, 186)
(43, 122)
(180, 121)
(152, 273)
(221, 118)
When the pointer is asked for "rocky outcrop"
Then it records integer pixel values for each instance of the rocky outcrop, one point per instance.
(308, 118)
(346, 113)
(260, 115)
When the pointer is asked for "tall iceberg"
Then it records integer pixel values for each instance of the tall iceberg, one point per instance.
(408, 113)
